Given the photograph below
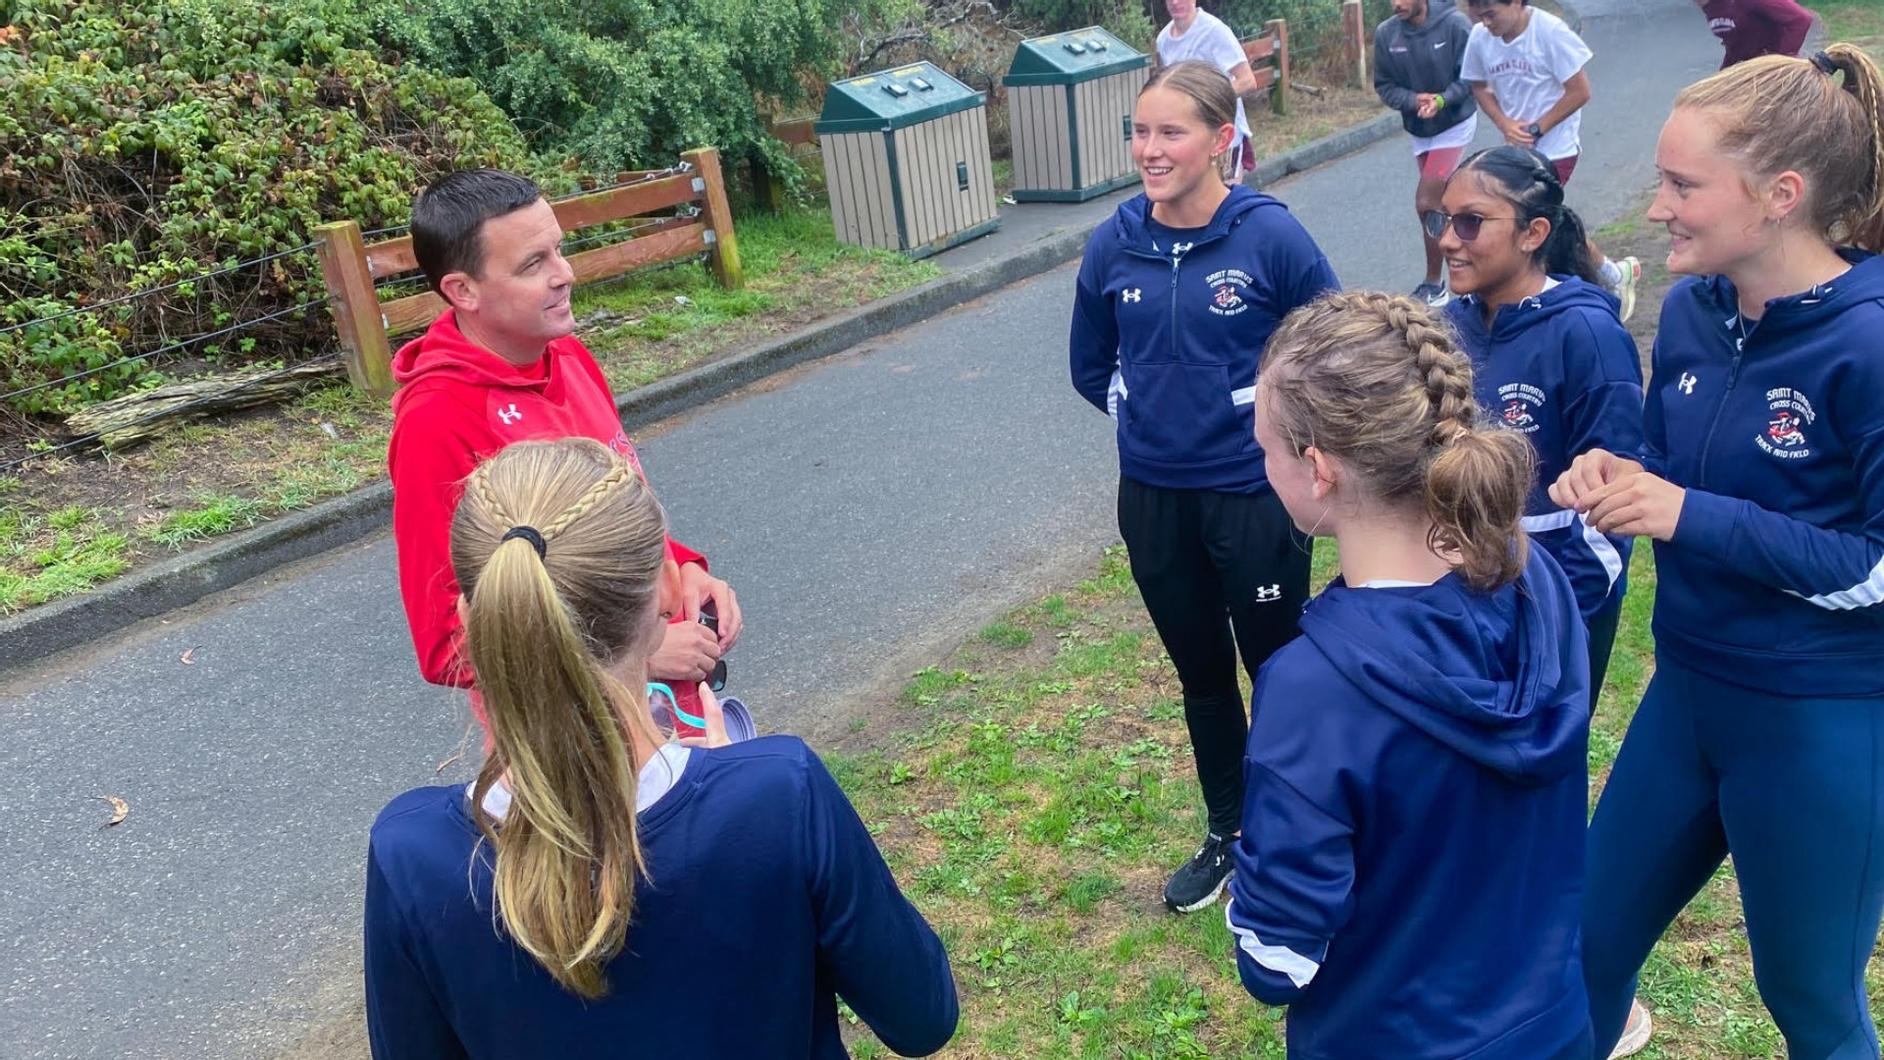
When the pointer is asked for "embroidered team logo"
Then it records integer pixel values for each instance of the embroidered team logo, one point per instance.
(1788, 414)
(509, 415)
(1518, 406)
(1132, 294)
(1686, 383)
(1224, 301)
(1268, 594)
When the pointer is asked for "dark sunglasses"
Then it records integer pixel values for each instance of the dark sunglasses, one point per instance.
(1467, 225)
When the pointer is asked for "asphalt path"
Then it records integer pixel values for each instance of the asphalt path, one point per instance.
(870, 509)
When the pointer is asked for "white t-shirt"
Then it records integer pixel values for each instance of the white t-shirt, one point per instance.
(1212, 41)
(1527, 75)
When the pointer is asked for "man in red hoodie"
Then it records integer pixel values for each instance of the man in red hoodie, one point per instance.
(501, 365)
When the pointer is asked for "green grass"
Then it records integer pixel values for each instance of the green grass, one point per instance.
(1038, 787)
(212, 515)
(45, 556)
(1856, 21)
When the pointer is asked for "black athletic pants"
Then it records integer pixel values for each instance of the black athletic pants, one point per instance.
(1207, 564)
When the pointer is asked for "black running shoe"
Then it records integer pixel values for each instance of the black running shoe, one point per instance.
(1433, 294)
(1198, 883)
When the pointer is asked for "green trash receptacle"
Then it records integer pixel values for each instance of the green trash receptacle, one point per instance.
(1070, 98)
(906, 160)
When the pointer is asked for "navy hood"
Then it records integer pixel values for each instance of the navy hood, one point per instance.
(1485, 674)
(1819, 307)
(1570, 294)
(1133, 234)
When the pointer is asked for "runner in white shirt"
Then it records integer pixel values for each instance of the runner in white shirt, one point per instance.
(1527, 72)
(1194, 33)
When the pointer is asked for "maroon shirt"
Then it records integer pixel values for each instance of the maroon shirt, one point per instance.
(1752, 28)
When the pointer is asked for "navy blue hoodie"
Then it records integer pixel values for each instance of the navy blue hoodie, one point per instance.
(1169, 326)
(765, 900)
(1411, 862)
(1561, 368)
(1776, 570)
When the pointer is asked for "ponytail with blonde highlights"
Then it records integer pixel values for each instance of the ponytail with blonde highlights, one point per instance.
(1375, 381)
(542, 632)
(1777, 113)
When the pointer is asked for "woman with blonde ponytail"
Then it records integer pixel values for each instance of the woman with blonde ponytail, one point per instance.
(1762, 732)
(1412, 848)
(601, 889)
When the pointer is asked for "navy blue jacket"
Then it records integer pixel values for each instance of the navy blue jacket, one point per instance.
(1776, 570)
(1411, 863)
(1167, 335)
(767, 901)
(1561, 368)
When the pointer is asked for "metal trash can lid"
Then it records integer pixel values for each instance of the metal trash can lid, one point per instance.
(1069, 58)
(892, 99)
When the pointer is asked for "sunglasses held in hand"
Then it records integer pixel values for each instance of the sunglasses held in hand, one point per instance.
(1467, 225)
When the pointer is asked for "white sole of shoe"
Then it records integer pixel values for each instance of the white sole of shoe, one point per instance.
(1635, 1035)
(1202, 903)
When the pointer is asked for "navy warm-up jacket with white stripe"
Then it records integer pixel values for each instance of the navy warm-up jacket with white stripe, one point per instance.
(765, 900)
(1775, 576)
(1411, 863)
(1561, 369)
(1167, 334)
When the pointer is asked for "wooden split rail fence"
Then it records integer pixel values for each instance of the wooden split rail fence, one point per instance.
(351, 266)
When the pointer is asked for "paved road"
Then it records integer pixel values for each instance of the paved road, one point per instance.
(870, 508)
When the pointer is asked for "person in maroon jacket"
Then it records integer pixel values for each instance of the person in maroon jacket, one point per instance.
(1749, 29)
(501, 365)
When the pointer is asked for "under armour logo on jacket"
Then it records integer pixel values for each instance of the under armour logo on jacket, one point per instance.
(1132, 294)
(1687, 382)
(1268, 594)
(509, 415)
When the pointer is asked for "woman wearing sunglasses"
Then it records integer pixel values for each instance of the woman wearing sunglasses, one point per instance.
(1550, 358)
(601, 889)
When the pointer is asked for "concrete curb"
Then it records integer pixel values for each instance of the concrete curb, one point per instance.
(183, 580)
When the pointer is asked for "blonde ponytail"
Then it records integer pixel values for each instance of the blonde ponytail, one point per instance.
(541, 631)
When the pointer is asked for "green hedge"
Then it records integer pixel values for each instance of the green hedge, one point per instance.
(150, 141)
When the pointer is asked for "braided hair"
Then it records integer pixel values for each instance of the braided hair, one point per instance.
(1526, 179)
(1375, 381)
(559, 548)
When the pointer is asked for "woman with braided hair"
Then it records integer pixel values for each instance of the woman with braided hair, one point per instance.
(1761, 734)
(600, 888)
(1550, 357)
(1412, 848)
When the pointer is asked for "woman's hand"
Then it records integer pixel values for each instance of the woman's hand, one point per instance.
(697, 586)
(1638, 503)
(715, 722)
(1587, 474)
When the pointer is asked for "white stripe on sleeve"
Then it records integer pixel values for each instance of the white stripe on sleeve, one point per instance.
(1300, 970)
(1864, 594)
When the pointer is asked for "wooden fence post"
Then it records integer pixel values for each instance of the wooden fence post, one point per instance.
(355, 305)
(723, 255)
(1279, 95)
(1354, 42)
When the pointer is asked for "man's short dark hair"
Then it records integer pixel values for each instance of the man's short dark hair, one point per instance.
(447, 216)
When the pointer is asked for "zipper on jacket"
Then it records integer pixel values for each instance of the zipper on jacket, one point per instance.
(1175, 258)
(1733, 376)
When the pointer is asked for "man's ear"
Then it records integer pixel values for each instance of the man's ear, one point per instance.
(460, 291)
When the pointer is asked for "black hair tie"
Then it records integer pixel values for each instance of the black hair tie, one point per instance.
(1826, 64)
(530, 534)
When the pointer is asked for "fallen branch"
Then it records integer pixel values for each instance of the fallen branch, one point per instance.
(1303, 86)
(136, 418)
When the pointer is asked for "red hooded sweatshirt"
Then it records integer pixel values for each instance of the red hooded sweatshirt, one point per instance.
(459, 403)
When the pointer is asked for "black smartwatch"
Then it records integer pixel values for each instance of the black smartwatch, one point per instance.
(1535, 130)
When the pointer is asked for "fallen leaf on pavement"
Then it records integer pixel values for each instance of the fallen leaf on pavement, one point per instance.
(119, 809)
(188, 658)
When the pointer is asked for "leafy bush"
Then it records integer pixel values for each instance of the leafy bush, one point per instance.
(147, 143)
(632, 83)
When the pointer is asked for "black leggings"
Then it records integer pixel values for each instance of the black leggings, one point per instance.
(1209, 564)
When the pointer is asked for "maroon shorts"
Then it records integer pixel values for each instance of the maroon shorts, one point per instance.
(1439, 163)
(1564, 167)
